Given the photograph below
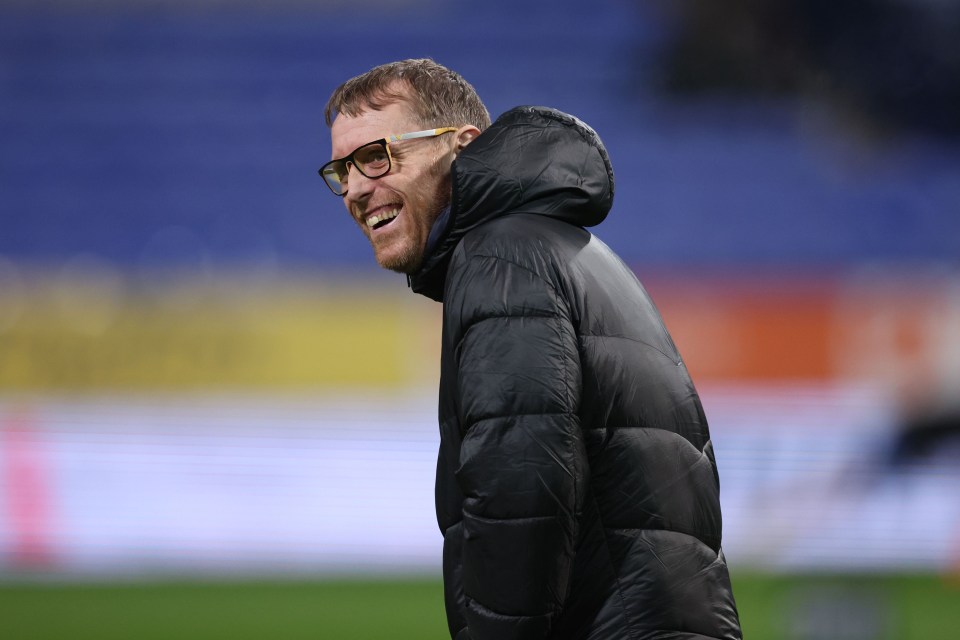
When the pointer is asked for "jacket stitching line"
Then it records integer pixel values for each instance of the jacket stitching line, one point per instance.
(613, 569)
(477, 603)
(550, 286)
(483, 317)
(498, 316)
(642, 342)
(555, 298)
(693, 536)
(515, 519)
(538, 276)
(523, 415)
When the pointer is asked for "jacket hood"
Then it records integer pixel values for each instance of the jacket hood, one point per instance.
(530, 160)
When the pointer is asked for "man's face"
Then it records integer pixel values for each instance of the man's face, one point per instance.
(417, 187)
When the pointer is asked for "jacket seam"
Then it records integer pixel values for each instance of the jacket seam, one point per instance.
(613, 569)
(477, 603)
(635, 340)
(523, 415)
(693, 536)
(483, 317)
(518, 265)
(499, 316)
(516, 519)
(554, 315)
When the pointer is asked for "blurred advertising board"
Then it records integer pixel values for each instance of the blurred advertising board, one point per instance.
(257, 427)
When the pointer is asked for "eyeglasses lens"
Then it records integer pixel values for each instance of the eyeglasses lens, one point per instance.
(372, 160)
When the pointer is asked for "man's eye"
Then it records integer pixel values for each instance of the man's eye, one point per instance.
(375, 163)
(376, 157)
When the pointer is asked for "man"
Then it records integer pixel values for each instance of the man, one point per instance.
(576, 486)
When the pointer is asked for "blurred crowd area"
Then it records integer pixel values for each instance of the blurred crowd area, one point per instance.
(888, 66)
(744, 136)
(201, 369)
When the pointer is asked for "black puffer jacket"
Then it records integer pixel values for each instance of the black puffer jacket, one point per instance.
(576, 486)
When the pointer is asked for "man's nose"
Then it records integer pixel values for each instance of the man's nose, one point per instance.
(359, 186)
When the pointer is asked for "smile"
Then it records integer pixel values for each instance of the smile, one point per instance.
(377, 221)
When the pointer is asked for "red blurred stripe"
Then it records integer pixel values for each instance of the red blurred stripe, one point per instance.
(27, 482)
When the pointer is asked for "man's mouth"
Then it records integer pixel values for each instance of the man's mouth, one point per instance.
(382, 219)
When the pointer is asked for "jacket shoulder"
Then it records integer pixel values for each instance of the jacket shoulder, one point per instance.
(528, 240)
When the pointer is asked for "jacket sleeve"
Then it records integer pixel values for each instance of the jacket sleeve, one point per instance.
(522, 461)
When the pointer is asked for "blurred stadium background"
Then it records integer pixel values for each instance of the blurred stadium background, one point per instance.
(217, 418)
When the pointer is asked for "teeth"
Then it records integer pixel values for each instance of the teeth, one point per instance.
(372, 221)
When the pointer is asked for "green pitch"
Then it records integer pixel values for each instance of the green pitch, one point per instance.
(879, 607)
(224, 611)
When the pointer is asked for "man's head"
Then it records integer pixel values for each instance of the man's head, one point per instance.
(397, 209)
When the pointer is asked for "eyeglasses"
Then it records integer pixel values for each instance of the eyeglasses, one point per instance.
(372, 160)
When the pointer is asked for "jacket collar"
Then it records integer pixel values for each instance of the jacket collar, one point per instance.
(531, 160)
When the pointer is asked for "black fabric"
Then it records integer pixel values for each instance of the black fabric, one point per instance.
(576, 484)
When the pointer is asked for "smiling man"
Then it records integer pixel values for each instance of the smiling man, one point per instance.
(396, 184)
(577, 490)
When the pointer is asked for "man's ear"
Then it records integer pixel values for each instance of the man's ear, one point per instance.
(465, 135)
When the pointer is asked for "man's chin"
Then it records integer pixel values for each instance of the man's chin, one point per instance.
(405, 262)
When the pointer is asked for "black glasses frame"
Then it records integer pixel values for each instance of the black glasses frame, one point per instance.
(332, 171)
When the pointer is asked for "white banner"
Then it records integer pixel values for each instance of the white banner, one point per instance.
(287, 485)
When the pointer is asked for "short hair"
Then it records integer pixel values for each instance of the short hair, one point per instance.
(439, 96)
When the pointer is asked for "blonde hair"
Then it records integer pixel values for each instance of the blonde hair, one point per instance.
(438, 96)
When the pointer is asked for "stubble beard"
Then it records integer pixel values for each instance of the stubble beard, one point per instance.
(410, 258)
